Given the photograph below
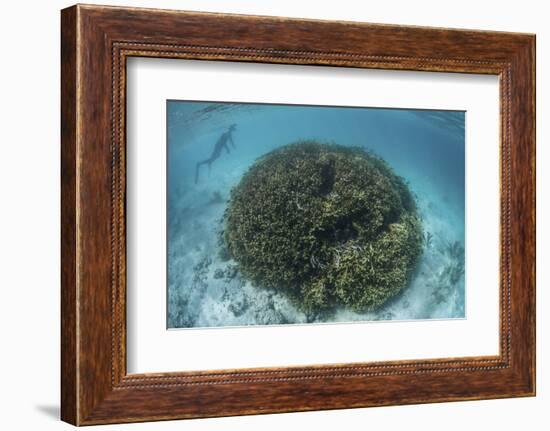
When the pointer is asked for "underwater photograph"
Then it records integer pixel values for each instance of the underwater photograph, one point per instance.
(303, 214)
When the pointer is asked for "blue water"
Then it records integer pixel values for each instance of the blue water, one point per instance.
(426, 147)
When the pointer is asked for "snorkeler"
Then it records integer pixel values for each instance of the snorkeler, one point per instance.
(221, 143)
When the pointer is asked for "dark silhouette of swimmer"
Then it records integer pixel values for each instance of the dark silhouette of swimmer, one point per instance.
(222, 142)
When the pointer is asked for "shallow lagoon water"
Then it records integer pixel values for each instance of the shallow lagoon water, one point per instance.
(425, 147)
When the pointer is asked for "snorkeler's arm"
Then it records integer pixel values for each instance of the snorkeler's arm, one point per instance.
(232, 141)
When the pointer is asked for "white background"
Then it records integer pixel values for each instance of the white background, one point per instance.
(29, 228)
(151, 348)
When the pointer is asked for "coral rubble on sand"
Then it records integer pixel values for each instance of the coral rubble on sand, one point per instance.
(330, 226)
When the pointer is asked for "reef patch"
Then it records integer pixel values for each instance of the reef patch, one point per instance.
(328, 225)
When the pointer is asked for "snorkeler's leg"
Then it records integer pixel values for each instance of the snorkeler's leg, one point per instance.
(199, 164)
(197, 172)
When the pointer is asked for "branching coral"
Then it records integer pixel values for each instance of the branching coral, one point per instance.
(330, 225)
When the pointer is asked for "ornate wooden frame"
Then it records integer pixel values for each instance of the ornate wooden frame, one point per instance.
(95, 42)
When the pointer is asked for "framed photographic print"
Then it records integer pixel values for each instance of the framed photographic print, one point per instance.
(316, 215)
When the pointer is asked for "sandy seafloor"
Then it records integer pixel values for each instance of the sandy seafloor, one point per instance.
(424, 147)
